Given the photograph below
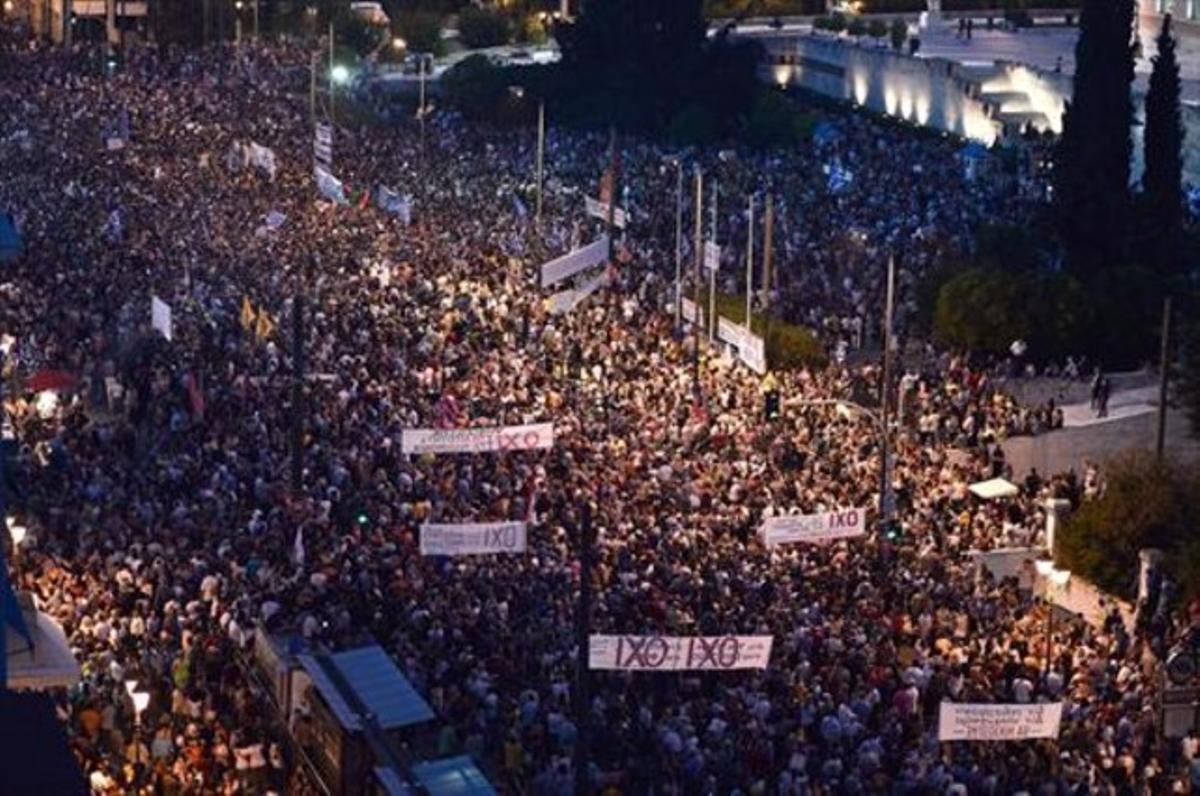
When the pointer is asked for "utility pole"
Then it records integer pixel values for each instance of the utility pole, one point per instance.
(312, 86)
(331, 118)
(712, 272)
(768, 255)
(749, 261)
(584, 632)
(541, 154)
(615, 191)
(256, 21)
(885, 470)
(678, 245)
(698, 255)
(298, 330)
(1164, 376)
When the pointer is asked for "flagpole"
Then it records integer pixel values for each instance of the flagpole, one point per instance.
(331, 88)
(712, 272)
(614, 188)
(768, 254)
(699, 256)
(678, 246)
(541, 154)
(749, 260)
(298, 383)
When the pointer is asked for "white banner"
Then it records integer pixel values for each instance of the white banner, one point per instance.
(263, 158)
(753, 352)
(983, 722)
(677, 653)
(472, 539)
(477, 440)
(566, 301)
(575, 262)
(160, 316)
(824, 527)
(598, 209)
(688, 310)
(712, 256)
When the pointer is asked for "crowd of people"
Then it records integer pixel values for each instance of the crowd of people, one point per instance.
(166, 527)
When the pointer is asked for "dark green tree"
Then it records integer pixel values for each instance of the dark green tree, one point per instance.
(1163, 181)
(1092, 164)
(1188, 387)
(638, 60)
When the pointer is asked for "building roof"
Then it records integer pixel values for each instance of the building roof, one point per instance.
(453, 776)
(374, 683)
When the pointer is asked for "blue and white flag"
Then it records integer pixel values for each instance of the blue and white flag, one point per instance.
(399, 205)
(113, 229)
(839, 177)
(329, 186)
(263, 159)
(519, 207)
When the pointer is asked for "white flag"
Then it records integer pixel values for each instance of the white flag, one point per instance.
(298, 547)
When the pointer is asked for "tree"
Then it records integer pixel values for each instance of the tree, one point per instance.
(899, 33)
(877, 29)
(1162, 183)
(639, 63)
(1092, 161)
(482, 27)
(422, 31)
(1146, 503)
(476, 87)
(857, 27)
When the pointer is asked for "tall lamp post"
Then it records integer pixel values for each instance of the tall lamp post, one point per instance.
(845, 407)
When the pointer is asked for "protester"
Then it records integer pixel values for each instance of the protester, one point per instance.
(167, 531)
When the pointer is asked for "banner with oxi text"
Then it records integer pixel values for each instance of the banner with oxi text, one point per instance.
(477, 440)
(678, 653)
(750, 347)
(575, 262)
(824, 527)
(473, 539)
(984, 722)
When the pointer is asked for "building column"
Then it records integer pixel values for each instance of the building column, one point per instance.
(1057, 510)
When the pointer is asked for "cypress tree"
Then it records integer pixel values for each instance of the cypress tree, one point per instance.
(1163, 181)
(1092, 170)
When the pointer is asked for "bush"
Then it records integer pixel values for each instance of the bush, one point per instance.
(422, 31)
(837, 22)
(1145, 504)
(821, 23)
(986, 310)
(482, 27)
(877, 29)
(899, 33)
(788, 346)
(532, 30)
(857, 27)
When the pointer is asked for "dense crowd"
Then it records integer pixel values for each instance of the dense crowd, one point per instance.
(166, 531)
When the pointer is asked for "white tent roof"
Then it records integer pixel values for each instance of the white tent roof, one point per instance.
(49, 664)
(992, 489)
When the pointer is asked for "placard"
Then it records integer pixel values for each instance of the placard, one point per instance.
(477, 440)
(813, 528)
(472, 539)
(712, 256)
(678, 653)
(160, 316)
(984, 722)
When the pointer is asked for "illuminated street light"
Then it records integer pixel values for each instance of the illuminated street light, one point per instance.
(17, 532)
(340, 74)
(398, 43)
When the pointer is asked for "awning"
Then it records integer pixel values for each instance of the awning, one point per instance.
(992, 489)
(453, 776)
(366, 679)
(49, 380)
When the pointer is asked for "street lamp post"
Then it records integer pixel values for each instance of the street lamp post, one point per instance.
(880, 421)
(584, 631)
(885, 491)
(541, 154)
(698, 255)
